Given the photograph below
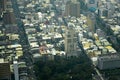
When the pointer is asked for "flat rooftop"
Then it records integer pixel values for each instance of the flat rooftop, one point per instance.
(108, 57)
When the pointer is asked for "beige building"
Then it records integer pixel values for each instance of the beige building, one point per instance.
(91, 20)
(71, 41)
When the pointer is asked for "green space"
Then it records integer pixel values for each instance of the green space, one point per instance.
(73, 68)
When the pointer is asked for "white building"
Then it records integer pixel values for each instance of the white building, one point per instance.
(15, 67)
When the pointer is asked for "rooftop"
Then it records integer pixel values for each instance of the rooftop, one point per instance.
(1, 60)
(109, 57)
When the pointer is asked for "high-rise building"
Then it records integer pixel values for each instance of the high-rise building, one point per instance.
(9, 5)
(15, 67)
(106, 10)
(3, 4)
(92, 4)
(71, 41)
(72, 9)
(5, 70)
(7, 12)
(9, 18)
(91, 20)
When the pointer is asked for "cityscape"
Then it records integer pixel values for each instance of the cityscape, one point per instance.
(59, 39)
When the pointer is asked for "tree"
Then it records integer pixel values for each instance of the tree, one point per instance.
(73, 68)
(112, 78)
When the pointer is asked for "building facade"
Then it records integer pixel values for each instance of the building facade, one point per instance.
(71, 41)
(92, 4)
(9, 18)
(91, 22)
(106, 9)
(108, 61)
(15, 67)
(5, 73)
(72, 9)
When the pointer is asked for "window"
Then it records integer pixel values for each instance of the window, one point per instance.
(105, 13)
(69, 40)
(68, 35)
(75, 39)
(75, 35)
(71, 45)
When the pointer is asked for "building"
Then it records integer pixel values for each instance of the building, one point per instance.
(5, 5)
(72, 9)
(102, 11)
(9, 18)
(108, 61)
(101, 33)
(92, 4)
(7, 12)
(106, 9)
(71, 41)
(4, 70)
(15, 67)
(36, 57)
(91, 20)
(2, 5)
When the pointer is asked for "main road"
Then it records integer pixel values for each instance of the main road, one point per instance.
(23, 41)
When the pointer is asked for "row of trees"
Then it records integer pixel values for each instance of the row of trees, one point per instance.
(64, 69)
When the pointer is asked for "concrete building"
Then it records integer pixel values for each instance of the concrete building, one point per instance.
(2, 5)
(72, 9)
(103, 12)
(5, 5)
(108, 61)
(101, 33)
(106, 9)
(36, 57)
(7, 11)
(4, 70)
(9, 18)
(91, 22)
(92, 4)
(15, 67)
(71, 41)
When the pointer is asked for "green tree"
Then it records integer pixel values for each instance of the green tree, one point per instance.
(72, 68)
